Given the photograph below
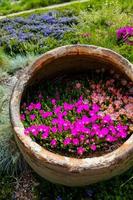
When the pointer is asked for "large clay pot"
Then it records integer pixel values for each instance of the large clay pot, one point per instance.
(54, 167)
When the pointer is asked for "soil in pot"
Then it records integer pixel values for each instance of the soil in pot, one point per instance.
(81, 115)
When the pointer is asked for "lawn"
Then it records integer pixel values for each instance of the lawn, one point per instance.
(10, 6)
(25, 37)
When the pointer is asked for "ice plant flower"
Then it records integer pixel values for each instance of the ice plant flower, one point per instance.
(32, 117)
(80, 150)
(22, 117)
(53, 143)
(79, 121)
(93, 147)
(67, 141)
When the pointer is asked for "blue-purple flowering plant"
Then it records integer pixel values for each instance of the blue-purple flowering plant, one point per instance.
(80, 116)
(16, 33)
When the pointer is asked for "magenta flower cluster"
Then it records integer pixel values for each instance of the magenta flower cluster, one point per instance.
(82, 125)
(125, 34)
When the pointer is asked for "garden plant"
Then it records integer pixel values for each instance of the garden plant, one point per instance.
(105, 23)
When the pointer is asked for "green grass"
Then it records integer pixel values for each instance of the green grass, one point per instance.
(118, 188)
(113, 189)
(101, 22)
(8, 7)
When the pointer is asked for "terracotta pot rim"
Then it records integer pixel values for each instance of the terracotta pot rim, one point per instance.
(35, 149)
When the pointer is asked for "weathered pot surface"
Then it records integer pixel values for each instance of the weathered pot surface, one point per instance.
(54, 167)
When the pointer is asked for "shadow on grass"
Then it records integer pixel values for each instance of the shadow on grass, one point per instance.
(118, 188)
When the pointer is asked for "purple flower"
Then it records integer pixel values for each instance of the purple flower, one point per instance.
(107, 119)
(85, 120)
(82, 137)
(103, 132)
(45, 135)
(54, 129)
(46, 114)
(53, 101)
(31, 107)
(123, 134)
(124, 34)
(75, 141)
(33, 130)
(53, 143)
(93, 147)
(38, 106)
(110, 138)
(80, 150)
(32, 117)
(27, 131)
(67, 141)
(22, 117)
(57, 110)
(68, 107)
(41, 128)
(95, 108)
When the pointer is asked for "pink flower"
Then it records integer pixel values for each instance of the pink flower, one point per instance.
(110, 138)
(53, 143)
(122, 134)
(85, 107)
(95, 127)
(45, 135)
(41, 128)
(32, 117)
(95, 108)
(46, 114)
(75, 141)
(80, 150)
(57, 110)
(104, 131)
(31, 107)
(85, 120)
(53, 101)
(86, 130)
(82, 138)
(112, 129)
(93, 147)
(33, 130)
(54, 129)
(67, 141)
(79, 109)
(54, 121)
(107, 119)
(37, 106)
(68, 107)
(26, 131)
(22, 117)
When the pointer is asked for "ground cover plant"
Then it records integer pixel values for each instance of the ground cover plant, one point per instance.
(20, 35)
(98, 23)
(85, 114)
